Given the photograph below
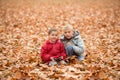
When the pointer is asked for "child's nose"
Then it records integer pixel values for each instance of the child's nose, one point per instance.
(54, 36)
(67, 33)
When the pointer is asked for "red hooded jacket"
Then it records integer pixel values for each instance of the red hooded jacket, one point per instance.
(54, 50)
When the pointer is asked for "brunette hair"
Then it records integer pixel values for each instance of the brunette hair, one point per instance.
(51, 30)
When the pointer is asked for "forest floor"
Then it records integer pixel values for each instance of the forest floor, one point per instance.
(23, 30)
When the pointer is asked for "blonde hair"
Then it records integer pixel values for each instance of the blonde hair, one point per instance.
(68, 26)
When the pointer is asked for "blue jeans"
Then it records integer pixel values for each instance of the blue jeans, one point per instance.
(69, 50)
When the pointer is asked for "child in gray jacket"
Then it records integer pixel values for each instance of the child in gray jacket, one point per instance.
(73, 43)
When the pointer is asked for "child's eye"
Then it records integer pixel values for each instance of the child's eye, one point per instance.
(65, 32)
(68, 31)
(54, 34)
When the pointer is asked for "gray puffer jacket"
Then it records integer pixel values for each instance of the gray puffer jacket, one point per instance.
(76, 41)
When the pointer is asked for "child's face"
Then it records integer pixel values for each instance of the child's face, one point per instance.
(68, 33)
(53, 36)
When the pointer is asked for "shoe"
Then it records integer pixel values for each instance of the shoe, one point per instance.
(63, 62)
(52, 63)
(80, 58)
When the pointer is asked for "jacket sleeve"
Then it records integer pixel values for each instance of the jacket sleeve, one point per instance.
(44, 54)
(63, 52)
(79, 47)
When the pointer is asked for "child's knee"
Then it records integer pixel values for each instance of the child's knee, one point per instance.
(69, 48)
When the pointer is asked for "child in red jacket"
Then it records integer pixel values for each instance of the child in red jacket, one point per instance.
(53, 50)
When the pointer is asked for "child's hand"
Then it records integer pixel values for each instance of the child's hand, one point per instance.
(68, 43)
(61, 57)
(52, 59)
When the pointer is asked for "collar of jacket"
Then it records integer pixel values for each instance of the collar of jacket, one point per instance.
(48, 42)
